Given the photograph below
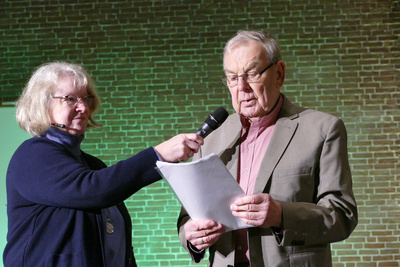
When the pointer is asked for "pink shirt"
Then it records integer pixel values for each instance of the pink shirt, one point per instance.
(254, 142)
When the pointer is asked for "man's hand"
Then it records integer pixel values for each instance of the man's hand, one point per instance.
(203, 234)
(259, 210)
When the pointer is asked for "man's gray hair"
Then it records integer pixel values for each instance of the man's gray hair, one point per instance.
(268, 41)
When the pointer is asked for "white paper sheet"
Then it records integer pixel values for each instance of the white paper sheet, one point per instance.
(205, 188)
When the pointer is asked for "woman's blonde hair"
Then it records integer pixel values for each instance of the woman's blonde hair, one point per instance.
(33, 105)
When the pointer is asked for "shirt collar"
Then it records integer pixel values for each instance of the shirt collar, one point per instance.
(71, 142)
(267, 120)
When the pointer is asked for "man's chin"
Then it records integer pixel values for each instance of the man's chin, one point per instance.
(251, 112)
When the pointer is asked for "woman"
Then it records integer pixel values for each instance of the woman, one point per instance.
(65, 207)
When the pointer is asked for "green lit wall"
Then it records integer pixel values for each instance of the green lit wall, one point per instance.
(157, 65)
(11, 137)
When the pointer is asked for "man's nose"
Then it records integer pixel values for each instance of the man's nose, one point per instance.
(242, 83)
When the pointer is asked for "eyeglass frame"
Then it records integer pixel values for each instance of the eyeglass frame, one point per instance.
(225, 78)
(78, 99)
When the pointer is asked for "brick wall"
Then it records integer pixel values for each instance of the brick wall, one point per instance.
(157, 66)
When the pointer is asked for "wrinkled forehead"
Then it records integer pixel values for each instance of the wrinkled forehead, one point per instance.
(244, 55)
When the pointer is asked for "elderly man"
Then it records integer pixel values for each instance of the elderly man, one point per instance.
(291, 162)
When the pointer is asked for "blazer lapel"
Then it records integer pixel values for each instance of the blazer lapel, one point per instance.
(230, 155)
(283, 133)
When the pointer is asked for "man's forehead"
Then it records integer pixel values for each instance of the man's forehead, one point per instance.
(247, 54)
(244, 64)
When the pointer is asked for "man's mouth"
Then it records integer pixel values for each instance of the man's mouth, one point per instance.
(248, 102)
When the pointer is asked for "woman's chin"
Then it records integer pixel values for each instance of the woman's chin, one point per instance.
(78, 130)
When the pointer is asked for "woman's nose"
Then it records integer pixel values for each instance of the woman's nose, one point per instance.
(81, 106)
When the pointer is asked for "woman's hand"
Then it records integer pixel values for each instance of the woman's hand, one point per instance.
(180, 147)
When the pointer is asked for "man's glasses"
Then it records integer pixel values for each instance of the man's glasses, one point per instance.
(249, 77)
(73, 100)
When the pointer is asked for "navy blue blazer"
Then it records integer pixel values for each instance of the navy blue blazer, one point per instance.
(54, 203)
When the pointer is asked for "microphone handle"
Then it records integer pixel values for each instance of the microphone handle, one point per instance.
(204, 130)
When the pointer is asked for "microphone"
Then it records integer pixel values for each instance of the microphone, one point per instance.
(58, 125)
(213, 121)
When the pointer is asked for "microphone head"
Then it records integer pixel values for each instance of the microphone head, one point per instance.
(213, 121)
(217, 118)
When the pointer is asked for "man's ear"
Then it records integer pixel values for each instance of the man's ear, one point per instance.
(281, 71)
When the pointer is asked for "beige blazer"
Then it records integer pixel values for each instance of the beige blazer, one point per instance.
(306, 169)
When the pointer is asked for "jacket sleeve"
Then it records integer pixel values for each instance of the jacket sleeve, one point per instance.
(45, 173)
(323, 210)
(197, 256)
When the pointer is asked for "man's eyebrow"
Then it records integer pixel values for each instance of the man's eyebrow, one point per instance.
(228, 71)
(250, 67)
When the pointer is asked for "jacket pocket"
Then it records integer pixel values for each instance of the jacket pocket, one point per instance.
(295, 184)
